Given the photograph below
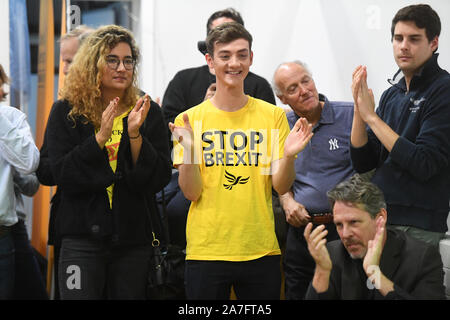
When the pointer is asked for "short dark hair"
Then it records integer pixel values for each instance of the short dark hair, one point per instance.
(359, 191)
(227, 13)
(423, 16)
(226, 33)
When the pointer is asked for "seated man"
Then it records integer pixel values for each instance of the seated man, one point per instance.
(370, 261)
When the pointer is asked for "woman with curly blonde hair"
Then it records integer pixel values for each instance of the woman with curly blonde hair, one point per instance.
(83, 86)
(109, 155)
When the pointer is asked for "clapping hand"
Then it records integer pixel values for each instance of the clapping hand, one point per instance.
(375, 246)
(298, 138)
(185, 136)
(106, 125)
(137, 116)
(362, 95)
(317, 246)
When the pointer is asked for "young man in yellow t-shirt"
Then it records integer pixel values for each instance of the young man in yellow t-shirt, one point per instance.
(230, 151)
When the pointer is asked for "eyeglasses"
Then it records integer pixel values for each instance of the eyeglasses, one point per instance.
(113, 62)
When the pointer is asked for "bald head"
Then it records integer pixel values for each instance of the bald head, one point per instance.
(294, 86)
(70, 43)
(285, 67)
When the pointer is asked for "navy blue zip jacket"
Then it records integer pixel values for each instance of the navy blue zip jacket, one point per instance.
(415, 175)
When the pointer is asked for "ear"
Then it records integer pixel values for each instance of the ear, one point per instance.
(282, 99)
(209, 60)
(280, 96)
(434, 43)
(382, 213)
(251, 57)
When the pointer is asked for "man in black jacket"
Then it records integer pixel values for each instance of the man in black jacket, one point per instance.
(408, 137)
(370, 261)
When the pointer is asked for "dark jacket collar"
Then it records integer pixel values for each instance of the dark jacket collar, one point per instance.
(428, 70)
(390, 257)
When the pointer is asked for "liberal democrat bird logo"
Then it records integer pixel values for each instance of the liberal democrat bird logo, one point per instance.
(233, 180)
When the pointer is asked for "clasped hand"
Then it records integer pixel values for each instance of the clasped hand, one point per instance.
(362, 95)
(296, 213)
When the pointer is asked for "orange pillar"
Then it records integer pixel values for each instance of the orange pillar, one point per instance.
(46, 65)
(51, 253)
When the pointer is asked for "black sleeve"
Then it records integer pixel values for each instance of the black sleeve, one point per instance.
(174, 100)
(153, 167)
(264, 91)
(44, 172)
(311, 294)
(330, 294)
(334, 283)
(77, 163)
(429, 281)
(366, 157)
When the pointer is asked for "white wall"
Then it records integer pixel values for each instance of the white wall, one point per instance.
(331, 36)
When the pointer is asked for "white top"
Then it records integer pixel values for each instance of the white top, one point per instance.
(24, 184)
(18, 154)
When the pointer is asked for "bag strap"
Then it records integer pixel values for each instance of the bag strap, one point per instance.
(155, 240)
(164, 218)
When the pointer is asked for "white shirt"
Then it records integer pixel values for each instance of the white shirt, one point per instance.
(24, 184)
(18, 152)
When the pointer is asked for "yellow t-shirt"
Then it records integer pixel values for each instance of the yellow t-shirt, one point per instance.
(112, 146)
(233, 218)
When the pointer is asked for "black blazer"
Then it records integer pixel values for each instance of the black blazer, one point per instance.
(82, 173)
(414, 267)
